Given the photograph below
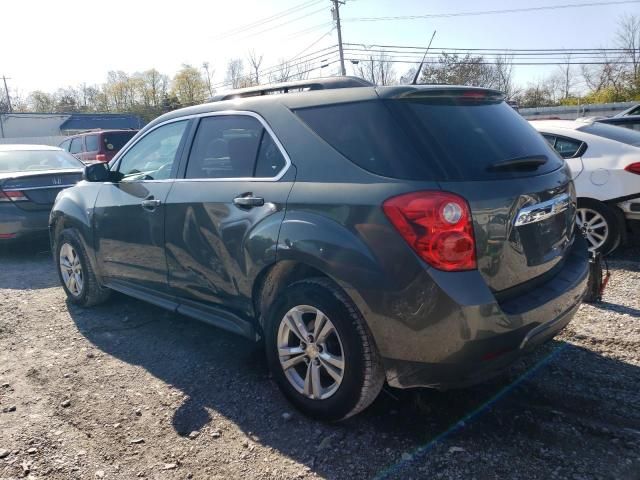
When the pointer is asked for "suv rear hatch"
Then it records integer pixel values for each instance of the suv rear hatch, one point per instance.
(473, 144)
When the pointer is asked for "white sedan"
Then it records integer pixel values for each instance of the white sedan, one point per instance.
(605, 164)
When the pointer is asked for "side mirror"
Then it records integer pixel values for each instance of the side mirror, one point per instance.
(96, 172)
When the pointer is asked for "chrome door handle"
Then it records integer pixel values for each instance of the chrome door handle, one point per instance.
(248, 201)
(150, 204)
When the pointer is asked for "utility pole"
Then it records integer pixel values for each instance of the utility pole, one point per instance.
(336, 17)
(6, 91)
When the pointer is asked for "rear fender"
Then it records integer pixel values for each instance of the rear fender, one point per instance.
(329, 247)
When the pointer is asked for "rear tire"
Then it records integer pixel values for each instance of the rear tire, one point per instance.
(75, 272)
(336, 371)
(599, 224)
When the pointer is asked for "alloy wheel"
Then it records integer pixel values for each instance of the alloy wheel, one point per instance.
(310, 352)
(593, 226)
(71, 269)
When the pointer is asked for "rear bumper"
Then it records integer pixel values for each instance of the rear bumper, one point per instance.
(471, 368)
(17, 224)
(470, 342)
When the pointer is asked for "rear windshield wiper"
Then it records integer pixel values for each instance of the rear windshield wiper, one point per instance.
(530, 162)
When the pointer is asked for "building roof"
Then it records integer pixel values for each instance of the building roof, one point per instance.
(103, 121)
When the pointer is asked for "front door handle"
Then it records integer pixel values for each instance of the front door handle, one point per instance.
(248, 201)
(150, 204)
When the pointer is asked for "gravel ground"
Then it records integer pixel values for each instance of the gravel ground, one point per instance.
(126, 390)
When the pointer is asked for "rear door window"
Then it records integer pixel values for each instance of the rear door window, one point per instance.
(233, 146)
(92, 143)
(438, 138)
(270, 159)
(76, 145)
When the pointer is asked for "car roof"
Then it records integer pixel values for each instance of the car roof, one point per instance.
(23, 147)
(311, 98)
(110, 130)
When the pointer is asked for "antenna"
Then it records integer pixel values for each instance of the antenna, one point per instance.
(415, 79)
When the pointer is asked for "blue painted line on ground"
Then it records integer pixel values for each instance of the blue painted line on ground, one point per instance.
(423, 450)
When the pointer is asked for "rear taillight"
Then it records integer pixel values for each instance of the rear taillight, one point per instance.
(633, 168)
(12, 196)
(437, 226)
(101, 157)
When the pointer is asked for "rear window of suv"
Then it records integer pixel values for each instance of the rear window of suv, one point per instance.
(431, 139)
(114, 141)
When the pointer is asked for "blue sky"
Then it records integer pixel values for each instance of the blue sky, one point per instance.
(70, 42)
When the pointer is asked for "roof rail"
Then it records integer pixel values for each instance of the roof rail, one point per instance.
(325, 83)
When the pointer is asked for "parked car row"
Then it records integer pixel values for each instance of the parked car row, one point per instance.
(348, 226)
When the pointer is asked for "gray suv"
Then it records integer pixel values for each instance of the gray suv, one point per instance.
(418, 235)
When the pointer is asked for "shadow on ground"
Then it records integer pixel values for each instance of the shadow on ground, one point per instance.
(557, 407)
(22, 266)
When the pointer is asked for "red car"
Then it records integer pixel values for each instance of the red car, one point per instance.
(97, 146)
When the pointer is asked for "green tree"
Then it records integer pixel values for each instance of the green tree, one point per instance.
(451, 69)
(40, 101)
(535, 95)
(189, 86)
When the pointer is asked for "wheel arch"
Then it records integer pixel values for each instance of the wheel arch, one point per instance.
(275, 278)
(272, 280)
(69, 212)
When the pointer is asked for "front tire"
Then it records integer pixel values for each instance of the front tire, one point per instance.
(320, 351)
(598, 223)
(75, 272)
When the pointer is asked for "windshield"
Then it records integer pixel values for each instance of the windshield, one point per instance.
(27, 160)
(114, 141)
(613, 132)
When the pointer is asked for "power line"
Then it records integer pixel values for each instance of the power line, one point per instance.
(494, 54)
(490, 12)
(306, 15)
(312, 45)
(325, 64)
(310, 57)
(318, 55)
(421, 48)
(391, 60)
(266, 20)
(309, 30)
